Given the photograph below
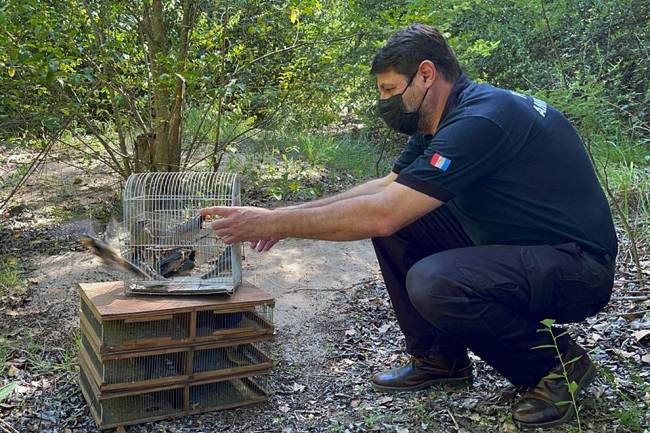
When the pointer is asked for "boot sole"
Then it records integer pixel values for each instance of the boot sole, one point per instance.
(588, 377)
(455, 382)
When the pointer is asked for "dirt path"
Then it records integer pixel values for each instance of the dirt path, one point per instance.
(305, 277)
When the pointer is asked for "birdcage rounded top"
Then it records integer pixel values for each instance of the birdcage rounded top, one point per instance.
(169, 184)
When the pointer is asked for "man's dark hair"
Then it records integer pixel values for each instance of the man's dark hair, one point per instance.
(406, 49)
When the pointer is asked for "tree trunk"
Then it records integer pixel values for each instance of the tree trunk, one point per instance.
(168, 99)
(176, 119)
(144, 146)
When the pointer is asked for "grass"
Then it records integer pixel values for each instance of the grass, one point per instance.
(354, 154)
(632, 410)
(41, 356)
(12, 282)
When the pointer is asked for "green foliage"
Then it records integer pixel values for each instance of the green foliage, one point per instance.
(291, 65)
(301, 166)
(572, 386)
(6, 390)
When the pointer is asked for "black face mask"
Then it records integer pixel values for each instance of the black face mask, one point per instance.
(392, 111)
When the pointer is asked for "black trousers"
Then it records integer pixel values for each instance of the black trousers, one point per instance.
(450, 295)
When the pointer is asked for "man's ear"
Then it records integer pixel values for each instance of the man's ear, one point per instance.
(428, 71)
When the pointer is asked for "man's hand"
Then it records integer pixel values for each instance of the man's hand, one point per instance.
(239, 224)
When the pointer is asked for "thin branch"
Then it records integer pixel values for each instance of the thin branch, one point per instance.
(35, 163)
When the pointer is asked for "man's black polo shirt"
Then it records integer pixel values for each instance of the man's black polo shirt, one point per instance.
(512, 169)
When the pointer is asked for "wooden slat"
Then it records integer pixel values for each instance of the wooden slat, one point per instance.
(91, 373)
(149, 319)
(198, 345)
(147, 342)
(110, 303)
(229, 373)
(89, 332)
(257, 400)
(144, 385)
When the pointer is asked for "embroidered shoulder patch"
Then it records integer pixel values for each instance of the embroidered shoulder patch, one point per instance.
(440, 161)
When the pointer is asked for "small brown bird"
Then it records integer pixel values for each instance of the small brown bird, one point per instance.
(111, 257)
(178, 262)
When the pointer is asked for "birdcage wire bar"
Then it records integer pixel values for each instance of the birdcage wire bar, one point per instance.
(167, 238)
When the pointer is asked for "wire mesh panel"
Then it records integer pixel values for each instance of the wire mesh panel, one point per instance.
(135, 370)
(142, 332)
(230, 360)
(258, 320)
(89, 395)
(228, 393)
(167, 240)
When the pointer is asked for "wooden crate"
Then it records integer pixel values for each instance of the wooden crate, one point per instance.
(112, 409)
(154, 357)
(114, 322)
(146, 369)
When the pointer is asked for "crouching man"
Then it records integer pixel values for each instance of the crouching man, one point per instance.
(491, 220)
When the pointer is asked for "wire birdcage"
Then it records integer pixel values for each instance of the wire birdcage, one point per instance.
(166, 239)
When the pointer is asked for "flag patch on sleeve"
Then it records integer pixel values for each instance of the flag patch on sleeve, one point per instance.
(440, 161)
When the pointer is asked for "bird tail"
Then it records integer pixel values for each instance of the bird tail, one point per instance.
(111, 257)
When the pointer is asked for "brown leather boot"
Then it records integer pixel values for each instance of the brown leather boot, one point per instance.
(539, 406)
(421, 373)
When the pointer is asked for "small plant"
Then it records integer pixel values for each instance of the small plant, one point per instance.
(571, 384)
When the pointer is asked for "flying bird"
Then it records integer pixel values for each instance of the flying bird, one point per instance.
(111, 257)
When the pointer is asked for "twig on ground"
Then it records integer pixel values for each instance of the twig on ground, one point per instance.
(343, 289)
(630, 298)
(451, 415)
(7, 427)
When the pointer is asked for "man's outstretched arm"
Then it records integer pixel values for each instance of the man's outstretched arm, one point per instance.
(359, 217)
(371, 187)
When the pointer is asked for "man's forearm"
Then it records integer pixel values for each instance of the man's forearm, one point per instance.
(355, 218)
(372, 187)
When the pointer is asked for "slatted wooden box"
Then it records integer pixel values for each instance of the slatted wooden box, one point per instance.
(124, 371)
(153, 357)
(112, 409)
(114, 322)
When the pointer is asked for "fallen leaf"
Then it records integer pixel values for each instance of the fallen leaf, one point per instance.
(383, 400)
(508, 427)
(383, 329)
(595, 337)
(641, 335)
(284, 408)
(355, 403)
(624, 353)
(646, 358)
